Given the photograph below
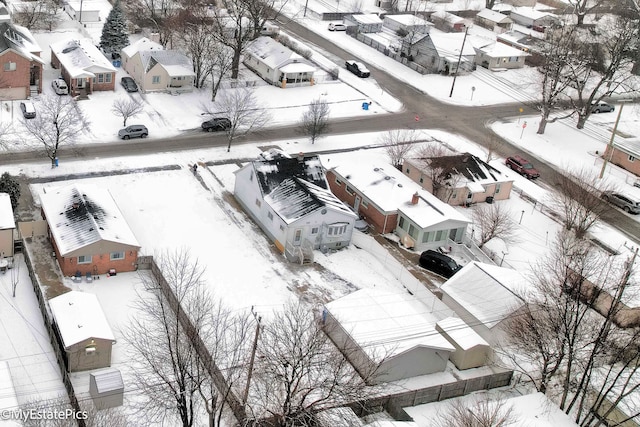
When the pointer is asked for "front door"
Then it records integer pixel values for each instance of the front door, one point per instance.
(356, 204)
(80, 83)
(297, 237)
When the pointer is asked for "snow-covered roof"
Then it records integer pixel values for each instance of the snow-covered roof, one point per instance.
(79, 215)
(461, 333)
(467, 168)
(8, 396)
(20, 40)
(81, 58)
(369, 18)
(79, 317)
(298, 67)
(108, 381)
(532, 13)
(275, 55)
(6, 212)
(501, 50)
(492, 15)
(449, 44)
(387, 322)
(490, 293)
(628, 145)
(295, 198)
(175, 63)
(271, 173)
(449, 17)
(407, 19)
(391, 190)
(141, 45)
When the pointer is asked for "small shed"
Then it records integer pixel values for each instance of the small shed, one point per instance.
(83, 11)
(448, 22)
(471, 350)
(530, 17)
(7, 226)
(106, 388)
(407, 22)
(369, 23)
(494, 21)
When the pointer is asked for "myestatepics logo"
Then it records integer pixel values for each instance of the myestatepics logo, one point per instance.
(41, 414)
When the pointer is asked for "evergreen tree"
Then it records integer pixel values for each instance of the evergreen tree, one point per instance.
(114, 32)
(10, 185)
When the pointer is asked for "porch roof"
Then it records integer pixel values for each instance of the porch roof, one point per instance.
(298, 67)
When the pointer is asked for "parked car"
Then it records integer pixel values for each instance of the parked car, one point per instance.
(28, 110)
(337, 27)
(439, 263)
(133, 131)
(60, 87)
(602, 107)
(216, 124)
(357, 68)
(627, 203)
(522, 166)
(129, 84)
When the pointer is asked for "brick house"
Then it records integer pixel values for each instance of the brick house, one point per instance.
(21, 70)
(82, 66)
(625, 152)
(88, 231)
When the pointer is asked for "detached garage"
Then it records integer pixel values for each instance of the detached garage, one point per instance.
(471, 351)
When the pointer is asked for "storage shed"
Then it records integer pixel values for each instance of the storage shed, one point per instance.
(471, 350)
(407, 22)
(106, 388)
(369, 23)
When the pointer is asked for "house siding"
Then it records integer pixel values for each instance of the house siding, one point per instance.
(79, 360)
(16, 84)
(6, 242)
(621, 158)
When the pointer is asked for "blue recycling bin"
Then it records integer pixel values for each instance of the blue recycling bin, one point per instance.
(116, 63)
(365, 105)
(55, 162)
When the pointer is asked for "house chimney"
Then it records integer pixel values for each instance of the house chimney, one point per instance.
(415, 198)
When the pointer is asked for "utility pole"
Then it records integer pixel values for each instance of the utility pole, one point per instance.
(459, 58)
(613, 136)
(245, 396)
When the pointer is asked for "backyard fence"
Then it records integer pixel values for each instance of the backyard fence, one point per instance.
(391, 54)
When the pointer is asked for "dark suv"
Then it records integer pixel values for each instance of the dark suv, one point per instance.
(217, 123)
(439, 263)
(522, 166)
(357, 68)
(133, 131)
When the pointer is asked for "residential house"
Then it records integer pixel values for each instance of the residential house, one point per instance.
(494, 21)
(530, 17)
(83, 11)
(497, 56)
(483, 296)
(448, 22)
(460, 179)
(525, 43)
(21, 71)
(440, 52)
(624, 152)
(407, 23)
(391, 202)
(364, 23)
(388, 328)
(83, 66)
(471, 350)
(157, 70)
(289, 199)
(88, 232)
(7, 226)
(83, 330)
(277, 64)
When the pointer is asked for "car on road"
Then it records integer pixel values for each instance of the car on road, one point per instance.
(133, 131)
(28, 110)
(60, 87)
(337, 27)
(357, 68)
(623, 201)
(602, 107)
(439, 263)
(216, 124)
(522, 166)
(129, 84)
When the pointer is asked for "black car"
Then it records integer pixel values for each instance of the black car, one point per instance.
(439, 263)
(129, 84)
(216, 124)
(357, 68)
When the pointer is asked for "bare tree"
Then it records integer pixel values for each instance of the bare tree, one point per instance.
(162, 15)
(581, 8)
(222, 61)
(315, 121)
(442, 178)
(15, 273)
(242, 109)
(59, 122)
(493, 142)
(92, 416)
(398, 144)
(481, 413)
(232, 28)
(40, 15)
(300, 372)
(494, 220)
(126, 108)
(579, 199)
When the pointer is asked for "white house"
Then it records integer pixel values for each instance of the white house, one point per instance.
(496, 56)
(277, 64)
(407, 23)
(484, 295)
(530, 17)
(289, 199)
(371, 325)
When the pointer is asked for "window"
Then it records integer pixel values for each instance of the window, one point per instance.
(631, 158)
(408, 170)
(454, 195)
(413, 231)
(314, 230)
(402, 224)
(421, 180)
(350, 190)
(116, 256)
(9, 66)
(469, 195)
(298, 236)
(270, 216)
(258, 203)
(338, 182)
(440, 234)
(427, 237)
(84, 259)
(100, 78)
(251, 176)
(155, 80)
(337, 229)
(281, 227)
(108, 78)
(498, 185)
(365, 203)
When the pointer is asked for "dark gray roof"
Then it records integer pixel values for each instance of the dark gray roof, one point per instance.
(468, 165)
(271, 173)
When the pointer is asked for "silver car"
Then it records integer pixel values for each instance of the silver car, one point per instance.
(627, 203)
(133, 131)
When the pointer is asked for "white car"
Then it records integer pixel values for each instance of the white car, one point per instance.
(60, 87)
(337, 27)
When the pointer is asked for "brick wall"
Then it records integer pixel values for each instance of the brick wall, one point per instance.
(621, 159)
(17, 78)
(100, 264)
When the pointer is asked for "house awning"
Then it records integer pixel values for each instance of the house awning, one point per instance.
(298, 67)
